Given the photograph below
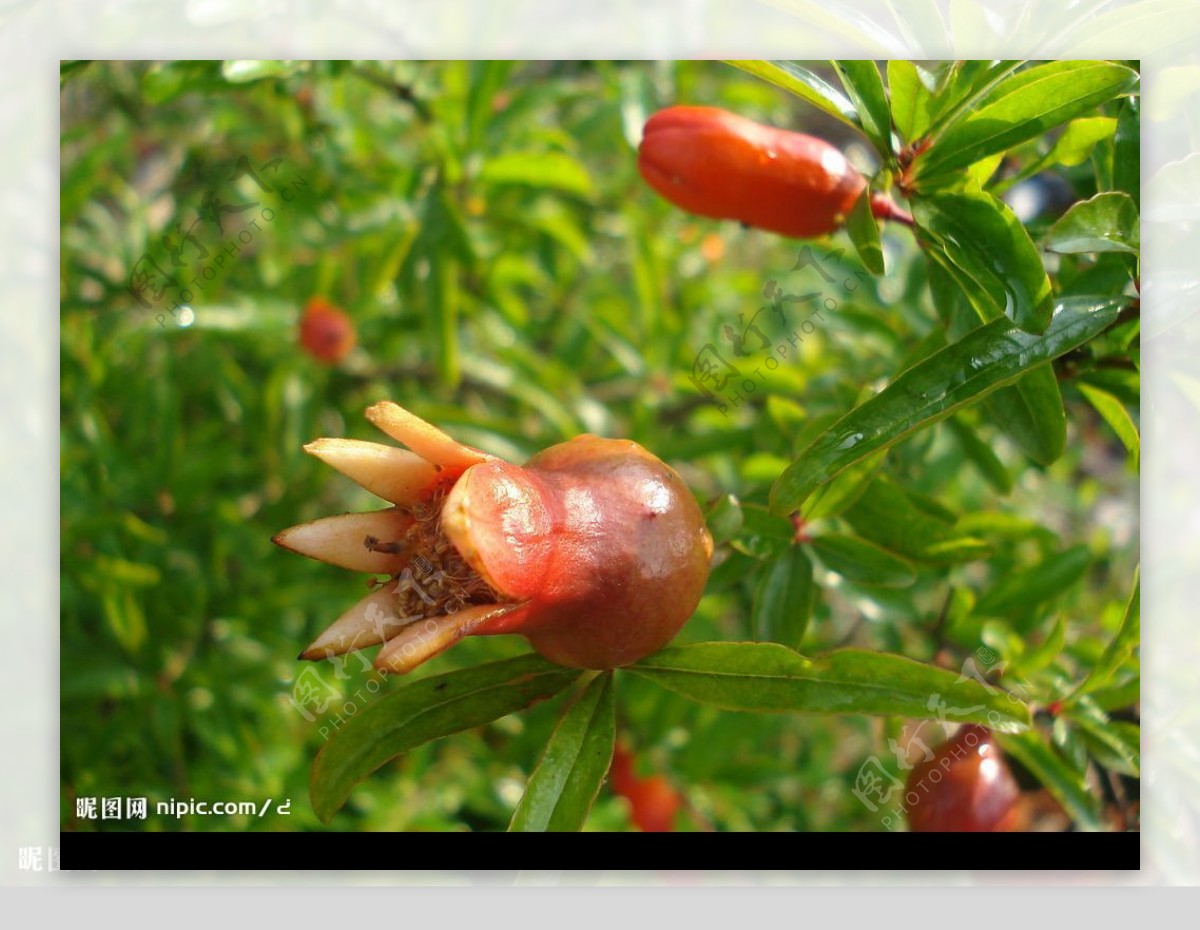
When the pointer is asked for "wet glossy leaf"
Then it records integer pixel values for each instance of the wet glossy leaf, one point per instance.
(768, 678)
(860, 78)
(1022, 107)
(806, 85)
(861, 562)
(1127, 150)
(968, 370)
(784, 600)
(980, 242)
(1107, 222)
(425, 710)
(563, 787)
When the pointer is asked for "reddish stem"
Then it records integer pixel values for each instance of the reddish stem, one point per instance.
(884, 208)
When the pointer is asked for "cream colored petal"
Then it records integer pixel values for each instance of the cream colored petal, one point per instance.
(372, 620)
(357, 541)
(396, 475)
(423, 438)
(421, 641)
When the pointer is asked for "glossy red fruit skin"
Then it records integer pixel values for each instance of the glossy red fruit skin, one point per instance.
(326, 332)
(601, 540)
(721, 165)
(965, 788)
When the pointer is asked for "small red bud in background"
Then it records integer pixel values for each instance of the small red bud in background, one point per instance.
(653, 801)
(326, 332)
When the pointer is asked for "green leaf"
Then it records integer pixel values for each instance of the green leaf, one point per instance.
(1045, 652)
(568, 777)
(1078, 140)
(1127, 150)
(725, 519)
(862, 82)
(1031, 413)
(962, 84)
(861, 562)
(1023, 107)
(864, 233)
(912, 100)
(1018, 592)
(982, 455)
(1068, 786)
(425, 710)
(553, 170)
(763, 534)
(984, 247)
(1119, 648)
(806, 85)
(966, 371)
(784, 600)
(1116, 416)
(242, 72)
(887, 516)
(768, 678)
(1107, 222)
(1116, 744)
(840, 494)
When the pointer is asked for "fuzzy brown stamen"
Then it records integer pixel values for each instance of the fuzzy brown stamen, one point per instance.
(438, 580)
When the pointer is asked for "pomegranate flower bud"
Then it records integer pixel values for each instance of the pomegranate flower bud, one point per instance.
(595, 550)
(718, 164)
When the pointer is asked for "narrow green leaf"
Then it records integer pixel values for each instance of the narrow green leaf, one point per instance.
(806, 85)
(784, 600)
(768, 678)
(982, 455)
(861, 562)
(1117, 697)
(864, 233)
(984, 360)
(1031, 413)
(840, 494)
(1068, 786)
(887, 516)
(1017, 593)
(425, 710)
(1116, 744)
(725, 519)
(1022, 107)
(980, 241)
(1127, 150)
(1119, 648)
(912, 100)
(763, 534)
(568, 777)
(860, 78)
(1116, 416)
(1040, 656)
(1108, 222)
(961, 85)
(1077, 141)
(553, 170)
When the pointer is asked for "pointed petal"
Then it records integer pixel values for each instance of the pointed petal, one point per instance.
(424, 639)
(396, 475)
(353, 540)
(372, 620)
(423, 438)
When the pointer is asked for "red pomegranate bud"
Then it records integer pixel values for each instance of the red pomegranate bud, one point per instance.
(653, 801)
(965, 788)
(595, 550)
(326, 332)
(717, 164)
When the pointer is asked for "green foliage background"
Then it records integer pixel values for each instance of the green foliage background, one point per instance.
(513, 280)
